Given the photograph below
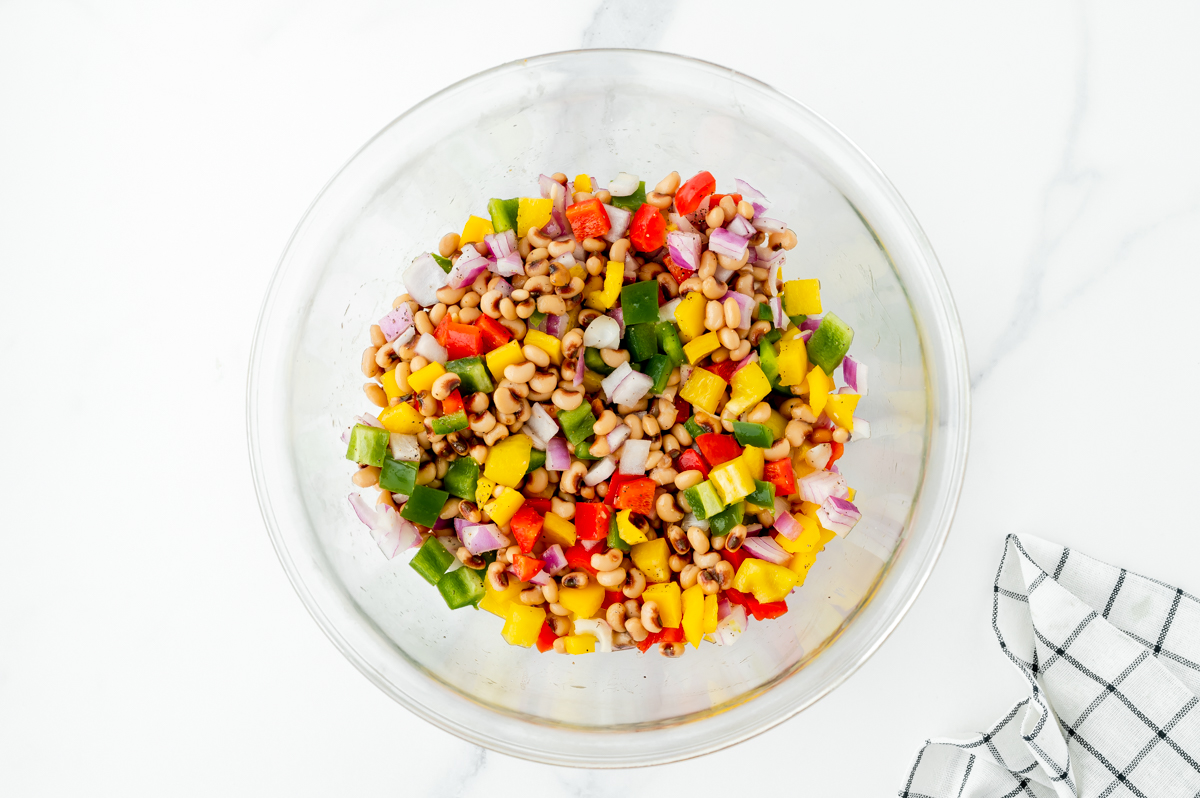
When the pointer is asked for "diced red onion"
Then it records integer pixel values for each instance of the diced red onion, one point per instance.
(552, 189)
(818, 456)
(778, 317)
(540, 578)
(579, 253)
(685, 249)
(810, 324)
(631, 267)
(804, 336)
(854, 374)
(613, 380)
(730, 628)
(767, 225)
(392, 533)
(423, 279)
(566, 259)
(768, 256)
(724, 607)
(753, 259)
(623, 184)
(542, 425)
(838, 515)
(604, 332)
(632, 388)
(558, 458)
(723, 242)
(667, 312)
(396, 322)
(459, 525)
(479, 538)
(685, 371)
(557, 325)
(467, 268)
(773, 274)
(680, 222)
(368, 420)
(754, 529)
(404, 447)
(600, 471)
(834, 468)
(428, 348)
(746, 305)
(503, 287)
(765, 548)
(618, 313)
(346, 435)
(690, 520)
(501, 244)
(553, 559)
(723, 274)
(748, 191)
(634, 457)
(508, 266)
(591, 545)
(862, 429)
(740, 225)
(444, 523)
(618, 219)
(540, 326)
(787, 525)
(579, 369)
(619, 435)
(819, 486)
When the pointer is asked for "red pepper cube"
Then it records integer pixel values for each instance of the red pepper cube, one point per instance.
(494, 334)
(838, 450)
(715, 199)
(679, 273)
(463, 340)
(734, 558)
(650, 640)
(541, 505)
(683, 410)
(718, 448)
(442, 330)
(690, 194)
(724, 369)
(647, 230)
(591, 521)
(452, 404)
(579, 557)
(526, 527)
(612, 597)
(546, 638)
(637, 496)
(779, 473)
(769, 610)
(614, 487)
(692, 460)
(588, 219)
(526, 566)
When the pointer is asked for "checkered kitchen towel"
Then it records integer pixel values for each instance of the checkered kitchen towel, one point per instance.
(1113, 660)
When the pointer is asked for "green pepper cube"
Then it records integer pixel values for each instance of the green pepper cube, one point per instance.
(398, 476)
(615, 541)
(763, 495)
(633, 201)
(444, 425)
(503, 213)
(639, 303)
(577, 424)
(748, 433)
(704, 500)
(668, 341)
(583, 451)
(368, 445)
(445, 263)
(693, 429)
(641, 341)
(461, 478)
(473, 373)
(727, 519)
(461, 587)
(765, 313)
(593, 360)
(537, 459)
(773, 336)
(432, 560)
(424, 505)
(798, 319)
(535, 321)
(659, 368)
(830, 343)
(768, 360)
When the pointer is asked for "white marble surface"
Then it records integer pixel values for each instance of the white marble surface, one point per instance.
(153, 160)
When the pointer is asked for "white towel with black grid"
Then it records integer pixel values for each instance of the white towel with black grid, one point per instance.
(1113, 660)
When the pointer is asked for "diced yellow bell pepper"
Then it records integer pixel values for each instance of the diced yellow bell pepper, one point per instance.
(689, 315)
(497, 602)
(802, 297)
(651, 559)
(580, 271)
(839, 407)
(704, 390)
(508, 460)
(750, 386)
(583, 601)
(800, 565)
(693, 614)
(777, 424)
(819, 387)
(732, 480)
(851, 494)
(710, 614)
(793, 359)
(483, 491)
(698, 348)
(628, 532)
(523, 625)
(583, 183)
(557, 529)
(547, 343)
(806, 541)
(403, 419)
(613, 278)
(670, 604)
(755, 461)
(766, 581)
(501, 358)
(475, 229)
(389, 384)
(579, 644)
(502, 509)
(532, 213)
(423, 380)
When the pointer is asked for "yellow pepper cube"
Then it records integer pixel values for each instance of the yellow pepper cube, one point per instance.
(689, 315)
(557, 529)
(765, 580)
(497, 602)
(523, 625)
(483, 491)
(777, 424)
(806, 541)
(423, 380)
(389, 384)
(669, 601)
(839, 407)
(792, 360)
(508, 460)
(802, 297)
(693, 614)
(501, 358)
(750, 386)
(475, 229)
(732, 480)
(583, 183)
(613, 278)
(403, 419)
(502, 509)
(579, 644)
(583, 601)
(547, 343)
(800, 565)
(704, 390)
(651, 558)
(628, 532)
(532, 213)
(710, 614)
(700, 347)
(819, 387)
(851, 493)
(755, 461)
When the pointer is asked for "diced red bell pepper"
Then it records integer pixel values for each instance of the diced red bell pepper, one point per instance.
(724, 369)
(780, 474)
(443, 329)
(689, 195)
(614, 487)
(761, 611)
(546, 638)
(541, 505)
(715, 199)
(588, 219)
(452, 404)
(526, 566)
(734, 558)
(718, 448)
(591, 521)
(838, 450)
(637, 496)
(495, 335)
(692, 460)
(579, 557)
(648, 229)
(683, 410)
(612, 597)
(667, 635)
(526, 527)
(463, 340)
(678, 272)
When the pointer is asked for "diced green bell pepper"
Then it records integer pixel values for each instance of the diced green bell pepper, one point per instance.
(461, 478)
(768, 360)
(424, 505)
(659, 368)
(537, 459)
(591, 381)
(773, 336)
(633, 201)
(748, 433)
(593, 360)
(535, 321)
(444, 425)
(432, 560)
(830, 343)
(693, 429)
(577, 424)
(445, 263)
(763, 495)
(639, 303)
(473, 373)
(668, 341)
(368, 445)
(615, 540)
(727, 519)
(640, 341)
(461, 587)
(503, 213)
(583, 451)
(398, 476)
(704, 500)
(798, 319)
(764, 312)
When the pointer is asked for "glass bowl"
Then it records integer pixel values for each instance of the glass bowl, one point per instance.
(600, 112)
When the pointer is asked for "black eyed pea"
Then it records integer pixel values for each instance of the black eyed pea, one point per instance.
(565, 399)
(667, 511)
(551, 305)
(537, 481)
(743, 349)
(635, 583)
(780, 450)
(366, 477)
(616, 617)
(508, 308)
(450, 508)
(571, 342)
(689, 479)
(557, 609)
(608, 561)
(560, 645)
(526, 308)
(560, 626)
(712, 288)
(571, 289)
(575, 579)
(714, 316)
(482, 423)
(375, 394)
(676, 563)
(468, 559)
(468, 315)
(369, 367)
(669, 184)
(469, 511)
(637, 633)
(729, 338)
(543, 382)
(698, 539)
(532, 596)
(678, 540)
(709, 581)
(672, 650)
(377, 337)
(614, 357)
(559, 248)
(560, 277)
(706, 560)
(651, 621)
(451, 296)
(550, 591)
(611, 580)
(619, 250)
(445, 385)
(680, 433)
(561, 508)
(594, 245)
(718, 542)
(735, 538)
(448, 245)
(660, 201)
(744, 285)
(687, 577)
(745, 209)
(479, 453)
(498, 433)
(572, 478)
(724, 571)
(536, 355)
(654, 459)
(729, 206)
(417, 362)
(537, 239)
(490, 304)
(497, 577)
(796, 432)
(606, 423)
(505, 401)
(600, 448)
(664, 476)
(715, 218)
(650, 426)
(760, 414)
